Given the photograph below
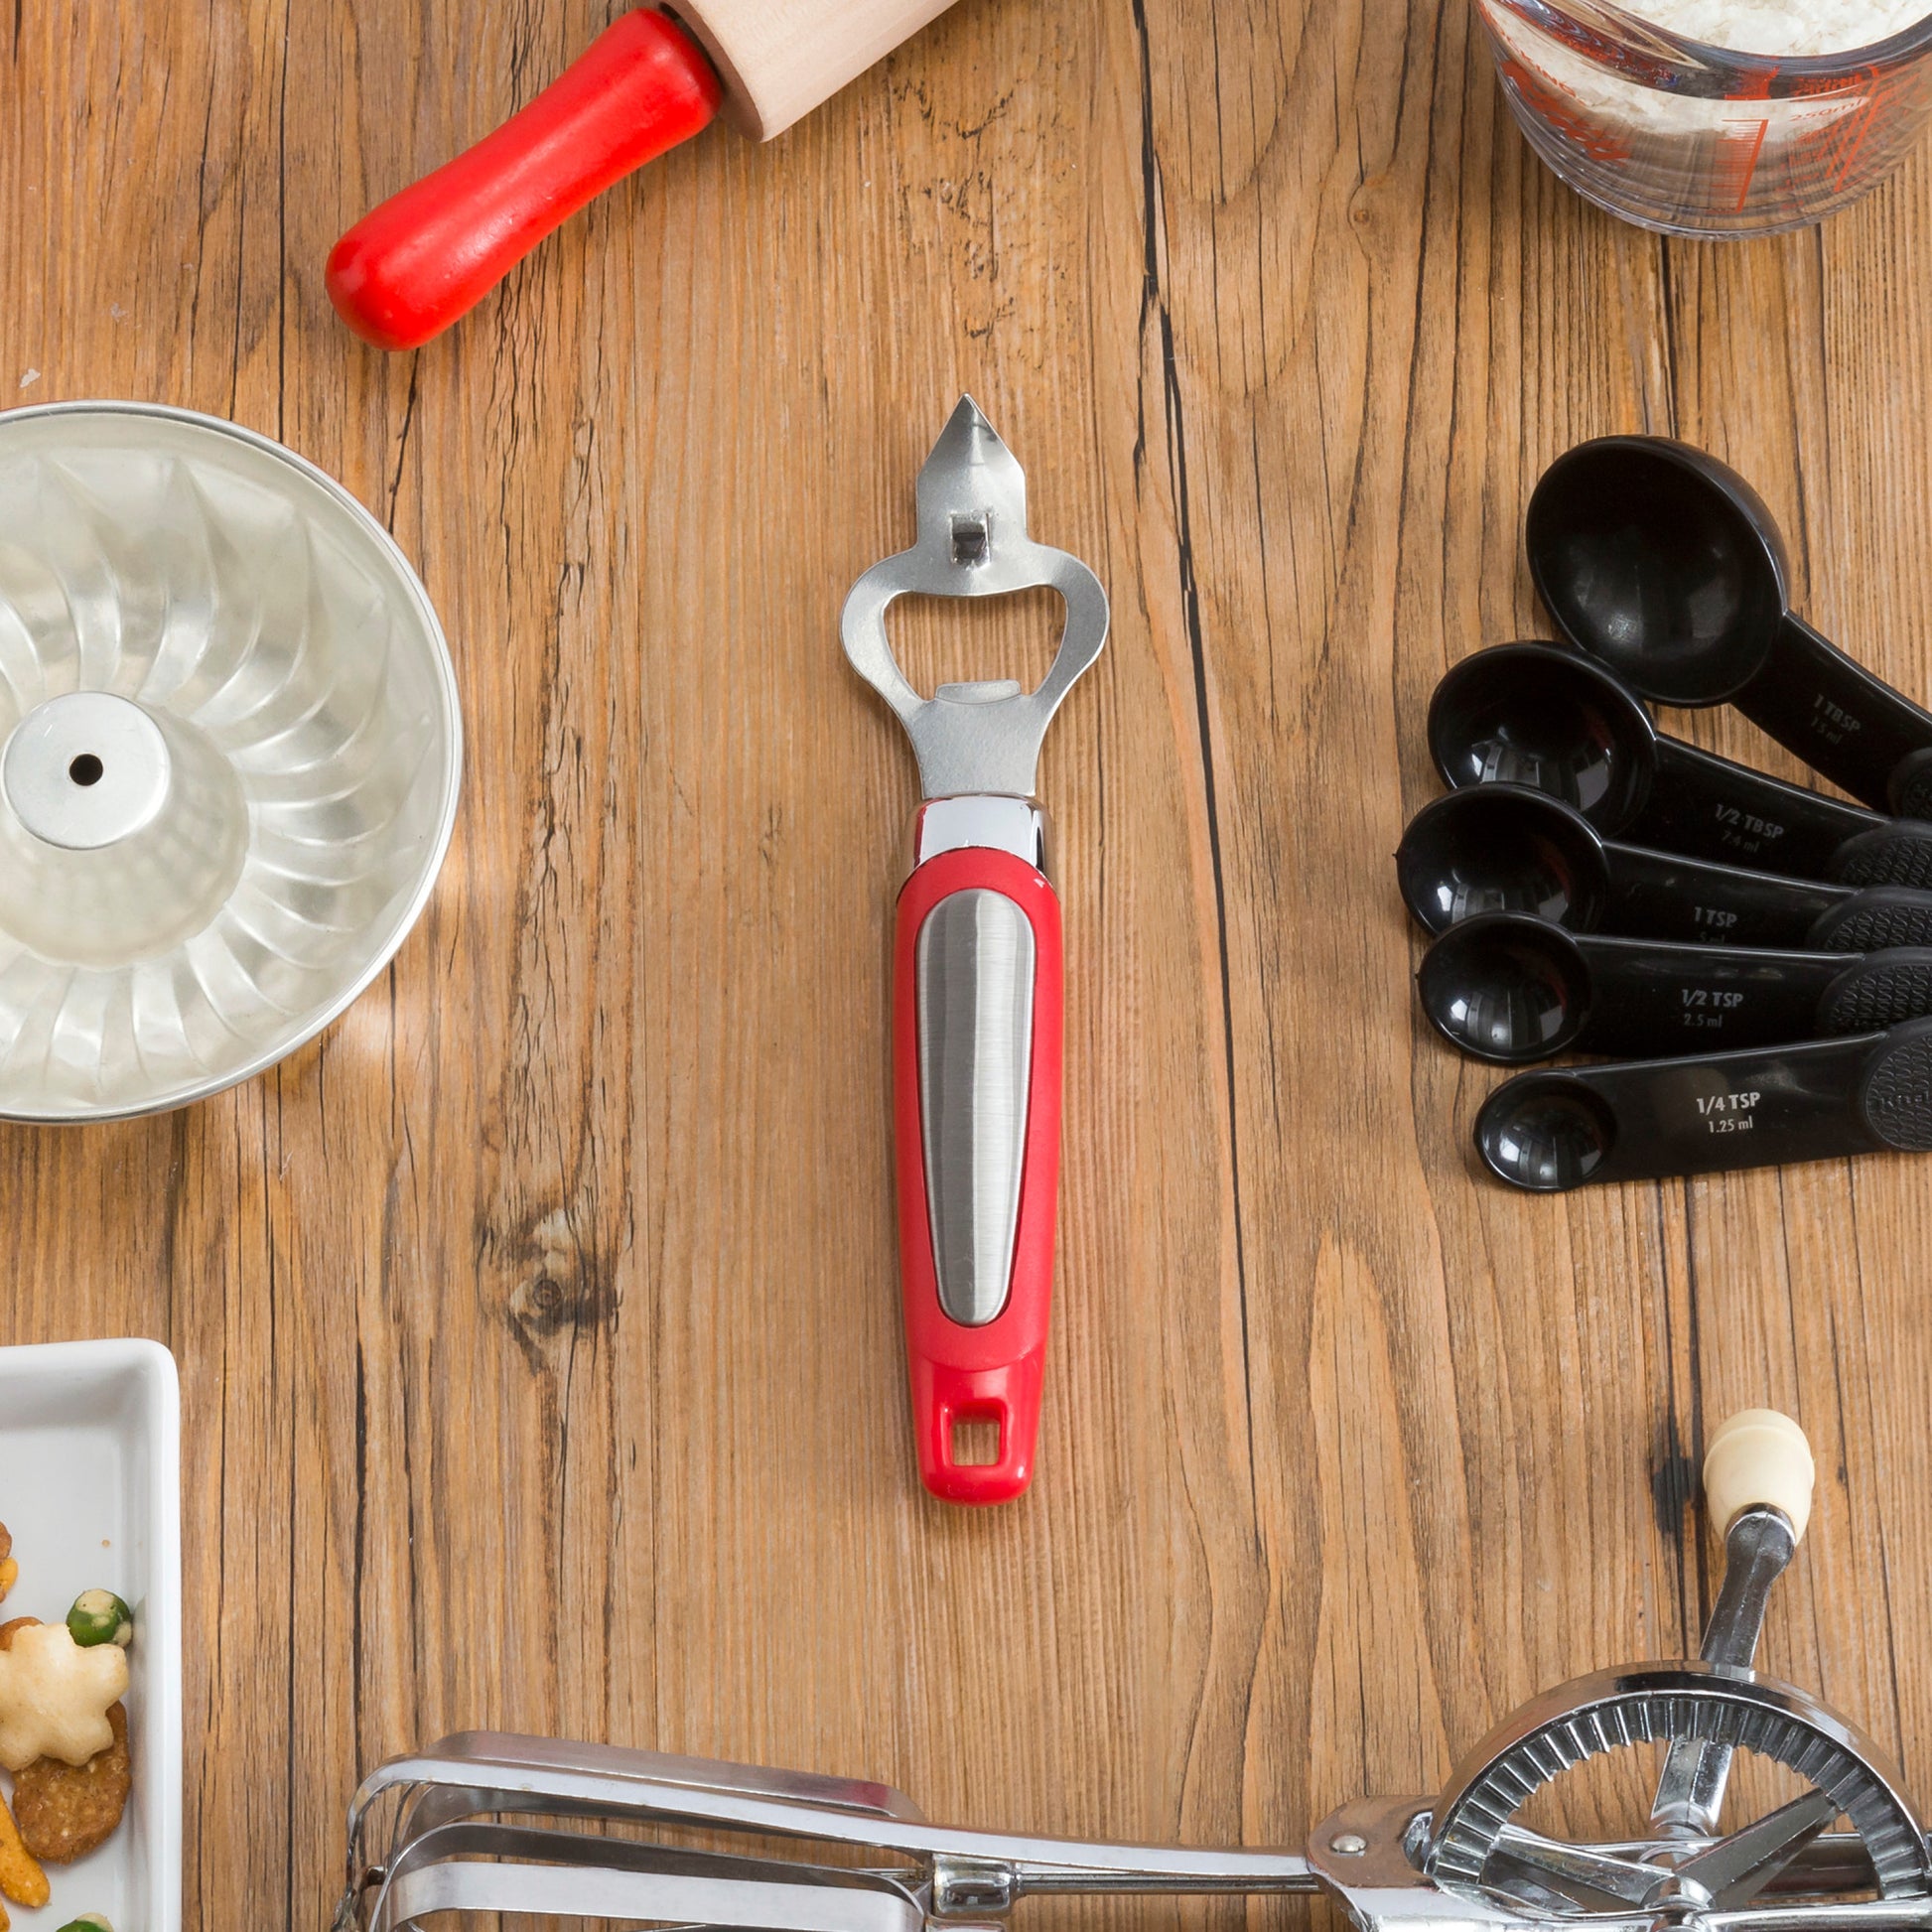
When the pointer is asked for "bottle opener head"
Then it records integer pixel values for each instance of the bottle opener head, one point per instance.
(983, 736)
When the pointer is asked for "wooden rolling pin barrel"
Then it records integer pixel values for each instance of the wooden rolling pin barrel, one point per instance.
(411, 267)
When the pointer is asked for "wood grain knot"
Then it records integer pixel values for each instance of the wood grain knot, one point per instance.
(545, 1306)
(1370, 207)
(563, 1285)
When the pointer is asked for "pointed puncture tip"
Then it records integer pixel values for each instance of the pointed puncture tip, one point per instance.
(964, 438)
(971, 472)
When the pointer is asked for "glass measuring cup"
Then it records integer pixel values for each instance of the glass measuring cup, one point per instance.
(1686, 138)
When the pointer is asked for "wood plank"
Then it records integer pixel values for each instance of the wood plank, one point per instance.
(539, 1326)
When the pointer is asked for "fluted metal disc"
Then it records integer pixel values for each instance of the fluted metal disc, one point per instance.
(229, 750)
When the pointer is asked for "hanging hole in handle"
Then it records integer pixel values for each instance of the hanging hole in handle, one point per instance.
(976, 640)
(975, 1440)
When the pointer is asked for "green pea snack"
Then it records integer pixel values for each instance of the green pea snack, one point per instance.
(99, 1616)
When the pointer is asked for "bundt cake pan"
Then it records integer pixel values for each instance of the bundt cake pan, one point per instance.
(229, 752)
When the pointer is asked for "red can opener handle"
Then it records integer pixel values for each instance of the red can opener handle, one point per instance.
(976, 1002)
(977, 1017)
(411, 267)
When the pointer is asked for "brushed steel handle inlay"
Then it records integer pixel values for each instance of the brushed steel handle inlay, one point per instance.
(975, 967)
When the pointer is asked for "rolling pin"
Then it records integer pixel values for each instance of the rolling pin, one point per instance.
(411, 267)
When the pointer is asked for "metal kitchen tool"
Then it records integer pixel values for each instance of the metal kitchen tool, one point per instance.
(1545, 716)
(1513, 989)
(651, 80)
(728, 1845)
(1509, 849)
(1666, 565)
(1644, 1120)
(230, 752)
(977, 994)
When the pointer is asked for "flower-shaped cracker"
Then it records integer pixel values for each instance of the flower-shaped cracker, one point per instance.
(55, 1695)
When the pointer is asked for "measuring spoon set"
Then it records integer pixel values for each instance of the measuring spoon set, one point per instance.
(1596, 885)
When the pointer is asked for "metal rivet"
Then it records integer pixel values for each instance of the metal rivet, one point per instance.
(972, 537)
(1350, 1844)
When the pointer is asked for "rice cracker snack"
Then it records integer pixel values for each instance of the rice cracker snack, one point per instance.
(63, 1735)
(64, 1810)
(55, 1695)
(21, 1876)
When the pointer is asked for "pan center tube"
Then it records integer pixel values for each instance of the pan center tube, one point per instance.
(86, 769)
(123, 831)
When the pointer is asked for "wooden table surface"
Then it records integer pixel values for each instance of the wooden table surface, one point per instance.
(539, 1326)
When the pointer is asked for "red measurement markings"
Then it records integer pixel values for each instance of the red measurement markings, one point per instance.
(1742, 141)
(1554, 105)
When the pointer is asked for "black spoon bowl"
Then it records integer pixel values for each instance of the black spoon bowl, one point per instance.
(1548, 717)
(1513, 990)
(1505, 847)
(1537, 714)
(1644, 1120)
(1507, 988)
(1666, 564)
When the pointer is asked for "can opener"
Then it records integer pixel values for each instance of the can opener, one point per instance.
(977, 1000)
(431, 1834)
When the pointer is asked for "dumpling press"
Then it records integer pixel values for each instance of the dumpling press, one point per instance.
(1819, 1836)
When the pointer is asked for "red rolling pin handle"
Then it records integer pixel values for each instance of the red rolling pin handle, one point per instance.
(989, 1372)
(410, 267)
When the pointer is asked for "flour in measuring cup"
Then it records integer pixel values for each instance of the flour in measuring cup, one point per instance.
(1783, 26)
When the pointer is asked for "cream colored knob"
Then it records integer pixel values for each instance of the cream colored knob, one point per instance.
(1758, 1457)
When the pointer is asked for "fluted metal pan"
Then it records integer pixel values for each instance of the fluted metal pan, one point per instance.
(229, 754)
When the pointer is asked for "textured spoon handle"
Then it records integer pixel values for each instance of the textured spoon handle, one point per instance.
(1845, 723)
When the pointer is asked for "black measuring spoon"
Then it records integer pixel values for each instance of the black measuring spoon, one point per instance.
(1545, 716)
(1512, 989)
(1508, 849)
(1640, 1120)
(1666, 565)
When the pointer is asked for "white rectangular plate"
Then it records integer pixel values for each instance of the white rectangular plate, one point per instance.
(91, 1487)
